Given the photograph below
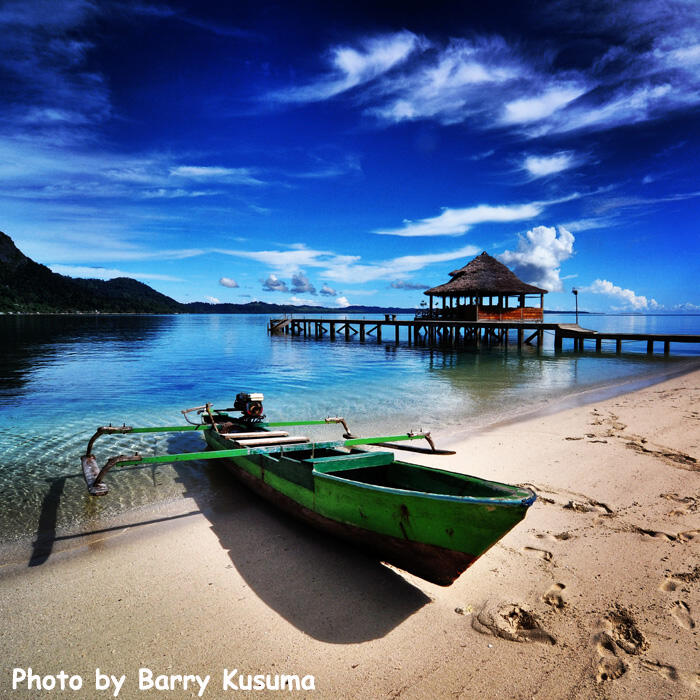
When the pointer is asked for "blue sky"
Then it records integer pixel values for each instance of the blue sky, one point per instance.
(355, 153)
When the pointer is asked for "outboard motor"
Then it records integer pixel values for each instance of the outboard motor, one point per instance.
(250, 405)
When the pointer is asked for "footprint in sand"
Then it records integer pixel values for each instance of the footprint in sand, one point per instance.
(673, 581)
(688, 536)
(664, 670)
(589, 506)
(668, 585)
(620, 633)
(554, 597)
(624, 631)
(691, 503)
(513, 622)
(541, 553)
(682, 537)
(610, 669)
(554, 538)
(681, 614)
(671, 673)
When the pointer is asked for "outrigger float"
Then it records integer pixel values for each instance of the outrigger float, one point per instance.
(429, 522)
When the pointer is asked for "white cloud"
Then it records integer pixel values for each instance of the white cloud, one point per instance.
(342, 302)
(228, 282)
(239, 176)
(587, 224)
(273, 284)
(454, 222)
(212, 300)
(391, 269)
(649, 71)
(175, 193)
(327, 291)
(539, 256)
(301, 284)
(292, 260)
(686, 306)
(541, 166)
(626, 296)
(300, 301)
(530, 109)
(637, 104)
(345, 268)
(402, 284)
(447, 84)
(104, 273)
(351, 66)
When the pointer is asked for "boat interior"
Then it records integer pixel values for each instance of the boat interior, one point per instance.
(375, 468)
(379, 468)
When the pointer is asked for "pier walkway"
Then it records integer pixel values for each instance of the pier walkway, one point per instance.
(450, 332)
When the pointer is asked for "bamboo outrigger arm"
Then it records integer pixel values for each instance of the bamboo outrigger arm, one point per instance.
(126, 429)
(94, 475)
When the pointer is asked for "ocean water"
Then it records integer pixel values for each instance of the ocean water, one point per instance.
(62, 376)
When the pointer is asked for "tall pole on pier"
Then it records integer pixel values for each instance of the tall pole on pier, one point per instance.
(574, 291)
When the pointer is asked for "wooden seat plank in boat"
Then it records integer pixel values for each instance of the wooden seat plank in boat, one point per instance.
(261, 434)
(291, 440)
(338, 463)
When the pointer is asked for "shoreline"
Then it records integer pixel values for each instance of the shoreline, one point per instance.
(585, 396)
(449, 438)
(595, 594)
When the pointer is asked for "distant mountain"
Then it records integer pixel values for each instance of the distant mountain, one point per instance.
(262, 307)
(28, 287)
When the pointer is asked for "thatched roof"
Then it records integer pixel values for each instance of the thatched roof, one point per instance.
(483, 276)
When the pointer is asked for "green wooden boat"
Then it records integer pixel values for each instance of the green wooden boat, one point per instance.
(429, 522)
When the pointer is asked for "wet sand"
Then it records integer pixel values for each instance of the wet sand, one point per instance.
(595, 594)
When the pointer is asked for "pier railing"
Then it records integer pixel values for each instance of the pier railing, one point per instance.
(473, 313)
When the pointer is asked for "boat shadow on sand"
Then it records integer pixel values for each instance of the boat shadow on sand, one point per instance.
(324, 587)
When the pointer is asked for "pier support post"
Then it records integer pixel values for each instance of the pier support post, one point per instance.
(362, 331)
(332, 327)
(618, 346)
(598, 344)
(557, 341)
(379, 333)
(396, 327)
(650, 347)
(667, 347)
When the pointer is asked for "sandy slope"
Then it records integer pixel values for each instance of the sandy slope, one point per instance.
(595, 594)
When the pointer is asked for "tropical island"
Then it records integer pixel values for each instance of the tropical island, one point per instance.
(29, 287)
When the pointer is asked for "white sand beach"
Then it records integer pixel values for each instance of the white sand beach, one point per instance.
(595, 594)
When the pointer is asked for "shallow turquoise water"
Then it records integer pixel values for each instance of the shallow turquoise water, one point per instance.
(62, 376)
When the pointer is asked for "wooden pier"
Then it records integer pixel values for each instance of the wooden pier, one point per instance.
(475, 333)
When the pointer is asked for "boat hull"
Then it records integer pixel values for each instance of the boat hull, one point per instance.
(434, 537)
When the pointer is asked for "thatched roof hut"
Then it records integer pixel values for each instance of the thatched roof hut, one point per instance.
(484, 276)
(470, 294)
